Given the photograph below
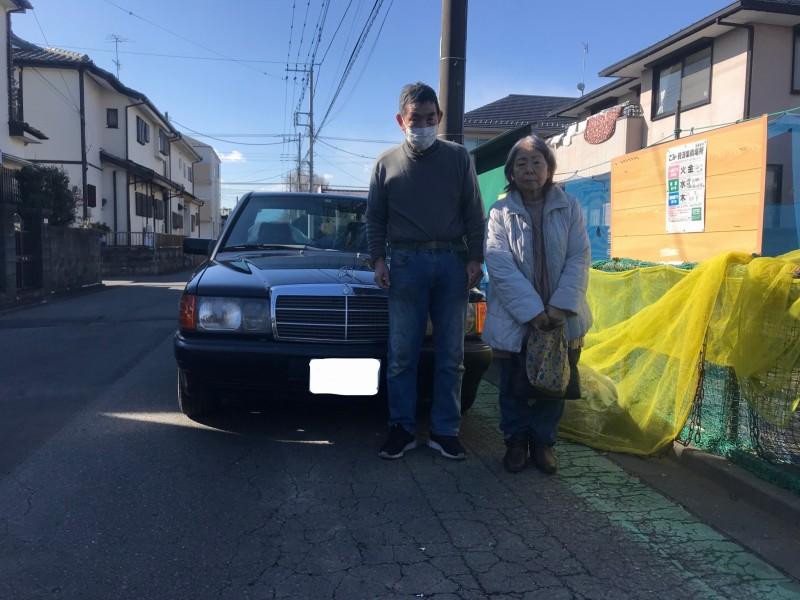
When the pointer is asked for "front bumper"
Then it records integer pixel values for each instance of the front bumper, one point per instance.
(267, 364)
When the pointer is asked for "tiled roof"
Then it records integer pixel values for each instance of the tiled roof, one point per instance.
(27, 52)
(519, 109)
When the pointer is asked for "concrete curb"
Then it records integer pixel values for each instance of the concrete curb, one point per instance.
(744, 484)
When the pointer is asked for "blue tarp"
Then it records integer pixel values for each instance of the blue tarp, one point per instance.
(782, 198)
(594, 195)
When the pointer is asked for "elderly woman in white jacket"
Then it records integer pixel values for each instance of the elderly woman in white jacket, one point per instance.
(537, 255)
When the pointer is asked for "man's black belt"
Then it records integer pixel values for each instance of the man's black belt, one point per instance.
(459, 246)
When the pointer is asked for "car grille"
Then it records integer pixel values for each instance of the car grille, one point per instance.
(332, 318)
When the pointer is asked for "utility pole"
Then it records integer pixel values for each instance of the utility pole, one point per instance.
(308, 70)
(311, 129)
(452, 67)
(299, 160)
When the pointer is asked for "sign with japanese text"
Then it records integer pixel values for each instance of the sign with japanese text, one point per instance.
(686, 188)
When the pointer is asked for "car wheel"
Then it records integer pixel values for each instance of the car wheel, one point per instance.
(195, 397)
(469, 391)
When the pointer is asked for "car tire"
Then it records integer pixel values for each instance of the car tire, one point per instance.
(195, 397)
(469, 392)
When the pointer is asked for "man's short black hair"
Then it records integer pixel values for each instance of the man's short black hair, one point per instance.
(417, 93)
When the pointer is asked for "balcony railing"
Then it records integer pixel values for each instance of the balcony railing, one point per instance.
(144, 239)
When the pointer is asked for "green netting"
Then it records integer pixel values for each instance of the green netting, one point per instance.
(725, 419)
(612, 265)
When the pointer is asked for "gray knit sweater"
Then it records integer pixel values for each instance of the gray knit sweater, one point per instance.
(432, 196)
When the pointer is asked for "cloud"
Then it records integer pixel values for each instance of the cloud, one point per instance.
(327, 176)
(232, 156)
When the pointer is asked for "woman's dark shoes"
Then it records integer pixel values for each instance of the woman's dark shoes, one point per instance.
(516, 454)
(545, 459)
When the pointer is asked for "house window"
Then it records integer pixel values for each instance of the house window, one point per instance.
(177, 221)
(194, 222)
(142, 131)
(687, 79)
(91, 196)
(163, 142)
(144, 205)
(189, 173)
(158, 209)
(112, 118)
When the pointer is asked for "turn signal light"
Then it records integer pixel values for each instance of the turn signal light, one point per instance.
(188, 312)
(480, 316)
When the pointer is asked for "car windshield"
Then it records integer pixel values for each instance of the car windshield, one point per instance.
(309, 221)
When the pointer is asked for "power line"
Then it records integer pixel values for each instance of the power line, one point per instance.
(65, 99)
(324, 143)
(286, 73)
(333, 37)
(302, 33)
(44, 37)
(184, 38)
(211, 137)
(184, 56)
(353, 57)
(321, 137)
(370, 54)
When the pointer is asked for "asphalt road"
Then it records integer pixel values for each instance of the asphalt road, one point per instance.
(106, 491)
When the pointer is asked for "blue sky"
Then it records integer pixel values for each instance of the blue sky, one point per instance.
(514, 46)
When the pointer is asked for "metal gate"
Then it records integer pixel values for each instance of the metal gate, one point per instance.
(28, 238)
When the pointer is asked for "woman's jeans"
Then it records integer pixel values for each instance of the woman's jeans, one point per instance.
(427, 282)
(538, 422)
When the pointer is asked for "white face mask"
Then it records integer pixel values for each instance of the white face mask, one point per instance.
(421, 138)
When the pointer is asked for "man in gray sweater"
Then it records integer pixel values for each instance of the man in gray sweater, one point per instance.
(425, 204)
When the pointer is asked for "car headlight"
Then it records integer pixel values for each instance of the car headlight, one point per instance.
(229, 315)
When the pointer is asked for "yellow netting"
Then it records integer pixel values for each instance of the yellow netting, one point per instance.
(655, 329)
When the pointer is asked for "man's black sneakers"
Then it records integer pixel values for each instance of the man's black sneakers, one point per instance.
(448, 446)
(398, 442)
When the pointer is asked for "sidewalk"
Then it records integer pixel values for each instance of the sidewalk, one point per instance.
(689, 503)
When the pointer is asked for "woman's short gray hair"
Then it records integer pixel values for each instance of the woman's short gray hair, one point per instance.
(537, 143)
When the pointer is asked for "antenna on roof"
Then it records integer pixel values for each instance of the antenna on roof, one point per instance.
(117, 39)
(582, 84)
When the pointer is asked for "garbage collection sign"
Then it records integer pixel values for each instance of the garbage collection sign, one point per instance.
(686, 188)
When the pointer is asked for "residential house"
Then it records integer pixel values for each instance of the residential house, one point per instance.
(19, 133)
(486, 122)
(208, 188)
(738, 63)
(130, 168)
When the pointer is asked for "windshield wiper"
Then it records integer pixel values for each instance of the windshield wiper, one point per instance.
(264, 247)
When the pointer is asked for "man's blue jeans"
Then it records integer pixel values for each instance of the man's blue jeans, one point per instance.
(427, 282)
(538, 422)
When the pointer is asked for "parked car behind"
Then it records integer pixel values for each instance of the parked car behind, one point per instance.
(287, 286)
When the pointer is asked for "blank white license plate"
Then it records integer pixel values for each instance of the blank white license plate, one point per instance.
(344, 376)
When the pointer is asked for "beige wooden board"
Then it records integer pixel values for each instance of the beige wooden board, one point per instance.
(683, 247)
(735, 170)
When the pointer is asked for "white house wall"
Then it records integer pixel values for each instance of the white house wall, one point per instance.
(8, 145)
(181, 162)
(145, 154)
(207, 188)
(51, 101)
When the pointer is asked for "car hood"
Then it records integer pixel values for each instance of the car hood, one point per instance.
(252, 275)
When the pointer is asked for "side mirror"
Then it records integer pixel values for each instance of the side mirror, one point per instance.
(201, 246)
